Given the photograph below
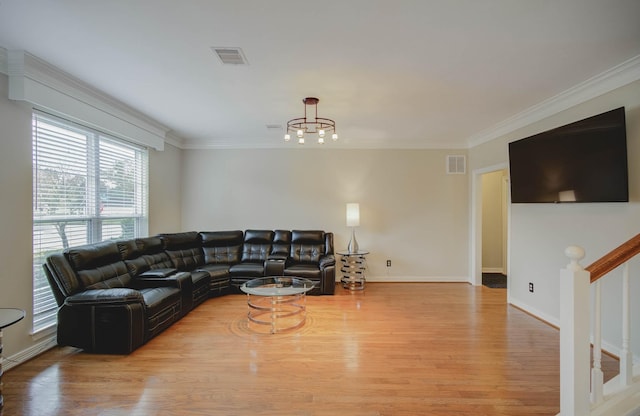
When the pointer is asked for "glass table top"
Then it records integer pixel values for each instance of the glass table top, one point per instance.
(277, 286)
(9, 316)
(353, 253)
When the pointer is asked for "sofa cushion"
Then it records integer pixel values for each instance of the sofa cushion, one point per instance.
(216, 271)
(281, 243)
(307, 246)
(144, 254)
(248, 269)
(257, 245)
(184, 249)
(105, 277)
(91, 256)
(306, 253)
(221, 246)
(178, 241)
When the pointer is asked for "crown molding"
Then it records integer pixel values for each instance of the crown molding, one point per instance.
(341, 144)
(172, 139)
(616, 77)
(50, 89)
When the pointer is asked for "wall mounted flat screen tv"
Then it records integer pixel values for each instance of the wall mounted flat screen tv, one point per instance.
(585, 161)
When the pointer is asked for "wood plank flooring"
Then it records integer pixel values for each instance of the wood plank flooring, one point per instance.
(394, 349)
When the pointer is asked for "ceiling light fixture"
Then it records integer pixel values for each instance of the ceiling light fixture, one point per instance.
(303, 125)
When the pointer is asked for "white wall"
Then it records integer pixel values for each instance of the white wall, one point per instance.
(165, 190)
(411, 211)
(15, 217)
(539, 233)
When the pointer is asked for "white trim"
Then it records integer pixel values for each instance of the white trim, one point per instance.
(493, 270)
(174, 140)
(31, 352)
(418, 279)
(616, 77)
(45, 86)
(535, 312)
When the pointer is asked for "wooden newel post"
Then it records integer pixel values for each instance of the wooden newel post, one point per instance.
(574, 336)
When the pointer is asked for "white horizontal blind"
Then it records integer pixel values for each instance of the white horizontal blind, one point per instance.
(87, 187)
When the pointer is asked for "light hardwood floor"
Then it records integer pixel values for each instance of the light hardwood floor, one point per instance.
(394, 349)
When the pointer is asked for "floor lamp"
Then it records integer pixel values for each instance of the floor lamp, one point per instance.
(353, 221)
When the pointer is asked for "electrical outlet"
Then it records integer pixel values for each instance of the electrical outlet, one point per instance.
(388, 263)
(531, 287)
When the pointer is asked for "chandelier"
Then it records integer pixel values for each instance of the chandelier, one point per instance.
(316, 125)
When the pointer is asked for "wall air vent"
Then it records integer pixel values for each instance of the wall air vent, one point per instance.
(456, 164)
(230, 56)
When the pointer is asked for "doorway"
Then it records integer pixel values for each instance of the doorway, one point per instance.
(489, 231)
(494, 229)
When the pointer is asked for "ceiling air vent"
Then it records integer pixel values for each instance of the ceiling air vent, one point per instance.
(456, 164)
(230, 56)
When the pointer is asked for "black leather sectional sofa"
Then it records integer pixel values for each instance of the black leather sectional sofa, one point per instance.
(115, 296)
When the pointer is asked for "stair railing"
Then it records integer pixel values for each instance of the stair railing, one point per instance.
(582, 388)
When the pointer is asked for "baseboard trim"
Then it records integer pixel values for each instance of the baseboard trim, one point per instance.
(418, 279)
(493, 270)
(550, 320)
(31, 352)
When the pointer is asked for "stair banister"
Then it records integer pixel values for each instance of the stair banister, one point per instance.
(576, 396)
(574, 336)
(626, 357)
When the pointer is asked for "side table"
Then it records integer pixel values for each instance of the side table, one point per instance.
(8, 317)
(353, 267)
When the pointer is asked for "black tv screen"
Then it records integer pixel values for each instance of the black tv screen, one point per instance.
(585, 161)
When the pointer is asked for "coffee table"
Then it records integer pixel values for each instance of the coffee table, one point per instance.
(277, 303)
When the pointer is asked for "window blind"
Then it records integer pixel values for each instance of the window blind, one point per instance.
(87, 187)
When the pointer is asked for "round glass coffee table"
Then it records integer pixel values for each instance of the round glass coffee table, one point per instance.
(277, 303)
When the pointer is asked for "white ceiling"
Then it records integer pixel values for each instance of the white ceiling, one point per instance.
(401, 73)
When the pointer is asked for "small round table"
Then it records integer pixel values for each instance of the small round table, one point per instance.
(354, 264)
(8, 317)
(277, 303)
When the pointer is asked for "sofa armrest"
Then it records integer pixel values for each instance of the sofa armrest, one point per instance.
(146, 281)
(116, 296)
(274, 266)
(159, 272)
(326, 261)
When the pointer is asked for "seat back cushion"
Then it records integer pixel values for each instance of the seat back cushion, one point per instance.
(184, 249)
(281, 243)
(222, 247)
(143, 254)
(257, 245)
(307, 246)
(98, 266)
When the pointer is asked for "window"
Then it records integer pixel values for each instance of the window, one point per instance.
(87, 187)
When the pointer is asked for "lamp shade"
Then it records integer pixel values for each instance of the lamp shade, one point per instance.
(353, 214)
